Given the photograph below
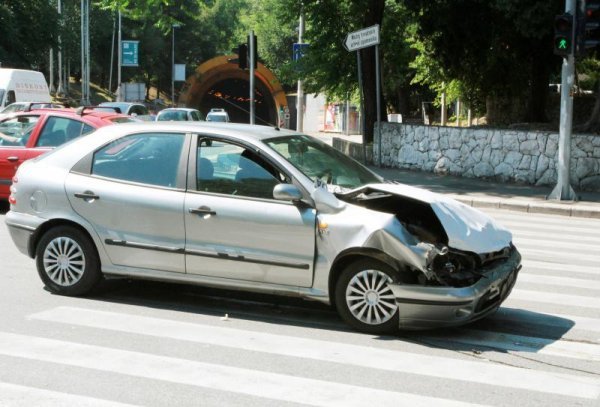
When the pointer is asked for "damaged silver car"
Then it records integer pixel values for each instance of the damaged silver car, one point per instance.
(259, 209)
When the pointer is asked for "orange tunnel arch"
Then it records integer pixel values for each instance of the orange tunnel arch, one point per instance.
(220, 83)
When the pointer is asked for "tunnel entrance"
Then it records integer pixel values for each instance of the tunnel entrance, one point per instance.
(219, 83)
(233, 96)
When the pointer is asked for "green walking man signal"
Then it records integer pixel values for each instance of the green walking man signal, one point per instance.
(563, 35)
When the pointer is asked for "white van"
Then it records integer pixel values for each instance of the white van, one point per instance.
(19, 85)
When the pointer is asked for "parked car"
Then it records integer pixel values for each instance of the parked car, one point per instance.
(179, 114)
(260, 209)
(26, 135)
(128, 108)
(217, 115)
(26, 107)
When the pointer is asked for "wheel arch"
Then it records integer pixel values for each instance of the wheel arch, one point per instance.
(351, 255)
(46, 226)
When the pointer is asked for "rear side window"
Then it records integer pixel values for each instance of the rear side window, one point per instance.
(142, 158)
(138, 110)
(59, 130)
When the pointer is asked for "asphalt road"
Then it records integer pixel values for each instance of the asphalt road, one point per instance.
(155, 344)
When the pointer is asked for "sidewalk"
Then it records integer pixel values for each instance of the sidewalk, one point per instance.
(482, 193)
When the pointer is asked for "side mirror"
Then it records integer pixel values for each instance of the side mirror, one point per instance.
(287, 192)
(326, 202)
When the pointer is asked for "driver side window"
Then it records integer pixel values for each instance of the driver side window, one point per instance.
(231, 169)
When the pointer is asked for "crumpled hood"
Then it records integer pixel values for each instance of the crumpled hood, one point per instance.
(467, 228)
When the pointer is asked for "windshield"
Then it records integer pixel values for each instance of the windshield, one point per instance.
(321, 162)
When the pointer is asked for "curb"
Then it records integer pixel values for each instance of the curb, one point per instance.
(567, 209)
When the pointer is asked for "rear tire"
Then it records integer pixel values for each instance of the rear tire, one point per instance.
(363, 298)
(67, 261)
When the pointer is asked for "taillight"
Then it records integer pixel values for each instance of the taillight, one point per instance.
(12, 199)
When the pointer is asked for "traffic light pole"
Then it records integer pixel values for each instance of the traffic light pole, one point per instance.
(563, 190)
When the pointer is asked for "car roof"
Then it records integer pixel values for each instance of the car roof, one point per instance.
(244, 132)
(101, 116)
(120, 104)
(175, 109)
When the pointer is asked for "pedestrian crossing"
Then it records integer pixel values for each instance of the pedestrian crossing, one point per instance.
(294, 364)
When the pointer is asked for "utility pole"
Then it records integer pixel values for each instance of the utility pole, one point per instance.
(112, 54)
(51, 73)
(252, 52)
(563, 190)
(300, 93)
(85, 50)
(173, 27)
(119, 61)
(59, 90)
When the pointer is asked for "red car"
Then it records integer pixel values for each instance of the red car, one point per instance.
(26, 135)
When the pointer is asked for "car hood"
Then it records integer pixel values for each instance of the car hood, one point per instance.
(467, 228)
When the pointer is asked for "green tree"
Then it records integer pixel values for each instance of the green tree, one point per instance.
(500, 50)
(27, 31)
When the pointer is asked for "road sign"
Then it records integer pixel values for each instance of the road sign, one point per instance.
(129, 53)
(179, 72)
(298, 50)
(364, 38)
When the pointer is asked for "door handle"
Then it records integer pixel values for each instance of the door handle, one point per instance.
(87, 196)
(12, 159)
(203, 210)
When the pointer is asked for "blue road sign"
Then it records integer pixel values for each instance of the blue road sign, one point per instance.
(129, 53)
(299, 49)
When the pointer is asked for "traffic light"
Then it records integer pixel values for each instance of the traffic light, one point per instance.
(255, 44)
(588, 26)
(563, 35)
(243, 56)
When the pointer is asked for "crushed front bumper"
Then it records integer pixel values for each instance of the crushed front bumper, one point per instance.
(422, 307)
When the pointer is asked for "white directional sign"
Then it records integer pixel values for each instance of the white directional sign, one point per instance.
(364, 38)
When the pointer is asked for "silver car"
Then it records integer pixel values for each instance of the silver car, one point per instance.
(260, 209)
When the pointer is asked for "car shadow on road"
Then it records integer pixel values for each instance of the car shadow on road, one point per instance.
(4, 207)
(506, 331)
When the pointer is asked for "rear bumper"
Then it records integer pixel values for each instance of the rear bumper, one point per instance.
(22, 228)
(424, 307)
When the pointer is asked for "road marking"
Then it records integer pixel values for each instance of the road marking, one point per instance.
(555, 237)
(225, 378)
(523, 344)
(12, 395)
(566, 268)
(531, 252)
(571, 248)
(555, 298)
(558, 281)
(517, 220)
(397, 361)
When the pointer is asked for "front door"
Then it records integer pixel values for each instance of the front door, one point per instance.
(234, 227)
(133, 197)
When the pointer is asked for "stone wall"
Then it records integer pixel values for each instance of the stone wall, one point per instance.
(500, 154)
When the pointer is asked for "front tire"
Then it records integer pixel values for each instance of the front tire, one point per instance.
(67, 261)
(364, 299)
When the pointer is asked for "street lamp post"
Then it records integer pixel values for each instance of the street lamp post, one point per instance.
(173, 27)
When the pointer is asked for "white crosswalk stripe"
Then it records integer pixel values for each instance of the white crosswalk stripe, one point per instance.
(251, 382)
(12, 395)
(331, 352)
(567, 269)
(545, 280)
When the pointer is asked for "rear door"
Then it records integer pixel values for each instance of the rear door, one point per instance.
(133, 195)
